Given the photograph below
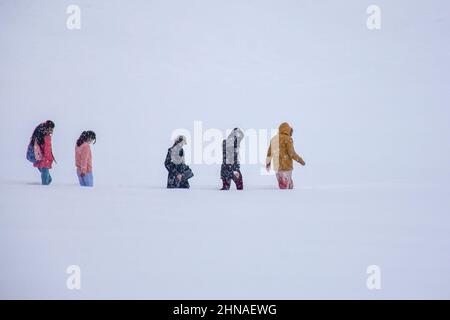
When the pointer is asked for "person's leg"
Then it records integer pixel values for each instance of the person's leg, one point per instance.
(45, 176)
(225, 177)
(291, 182)
(81, 180)
(42, 178)
(89, 179)
(283, 181)
(238, 181)
(226, 184)
(279, 180)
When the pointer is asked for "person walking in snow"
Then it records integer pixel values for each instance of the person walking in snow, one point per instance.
(83, 158)
(178, 172)
(230, 169)
(40, 150)
(281, 150)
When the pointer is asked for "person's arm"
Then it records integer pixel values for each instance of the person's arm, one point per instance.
(84, 155)
(269, 156)
(170, 166)
(292, 153)
(89, 160)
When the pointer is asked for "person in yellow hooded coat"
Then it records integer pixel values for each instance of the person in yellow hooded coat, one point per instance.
(282, 152)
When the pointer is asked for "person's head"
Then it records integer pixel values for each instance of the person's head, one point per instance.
(41, 131)
(285, 128)
(237, 134)
(87, 137)
(49, 126)
(180, 140)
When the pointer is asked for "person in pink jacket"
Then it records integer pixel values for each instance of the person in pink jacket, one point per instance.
(83, 158)
(42, 142)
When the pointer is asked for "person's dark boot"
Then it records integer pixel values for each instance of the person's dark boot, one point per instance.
(226, 185)
(239, 184)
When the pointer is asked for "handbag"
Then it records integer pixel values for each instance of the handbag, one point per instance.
(187, 172)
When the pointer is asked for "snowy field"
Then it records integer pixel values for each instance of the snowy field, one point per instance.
(136, 242)
(370, 112)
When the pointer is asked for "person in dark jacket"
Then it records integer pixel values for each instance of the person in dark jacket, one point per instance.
(230, 169)
(179, 172)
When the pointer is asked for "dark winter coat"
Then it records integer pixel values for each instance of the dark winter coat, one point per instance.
(175, 165)
(230, 155)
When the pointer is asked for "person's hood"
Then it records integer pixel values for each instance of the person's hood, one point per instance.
(180, 141)
(177, 154)
(285, 128)
(236, 133)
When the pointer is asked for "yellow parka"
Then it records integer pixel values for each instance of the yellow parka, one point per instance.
(281, 150)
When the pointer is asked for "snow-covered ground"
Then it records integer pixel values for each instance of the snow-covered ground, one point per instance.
(370, 116)
(147, 242)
